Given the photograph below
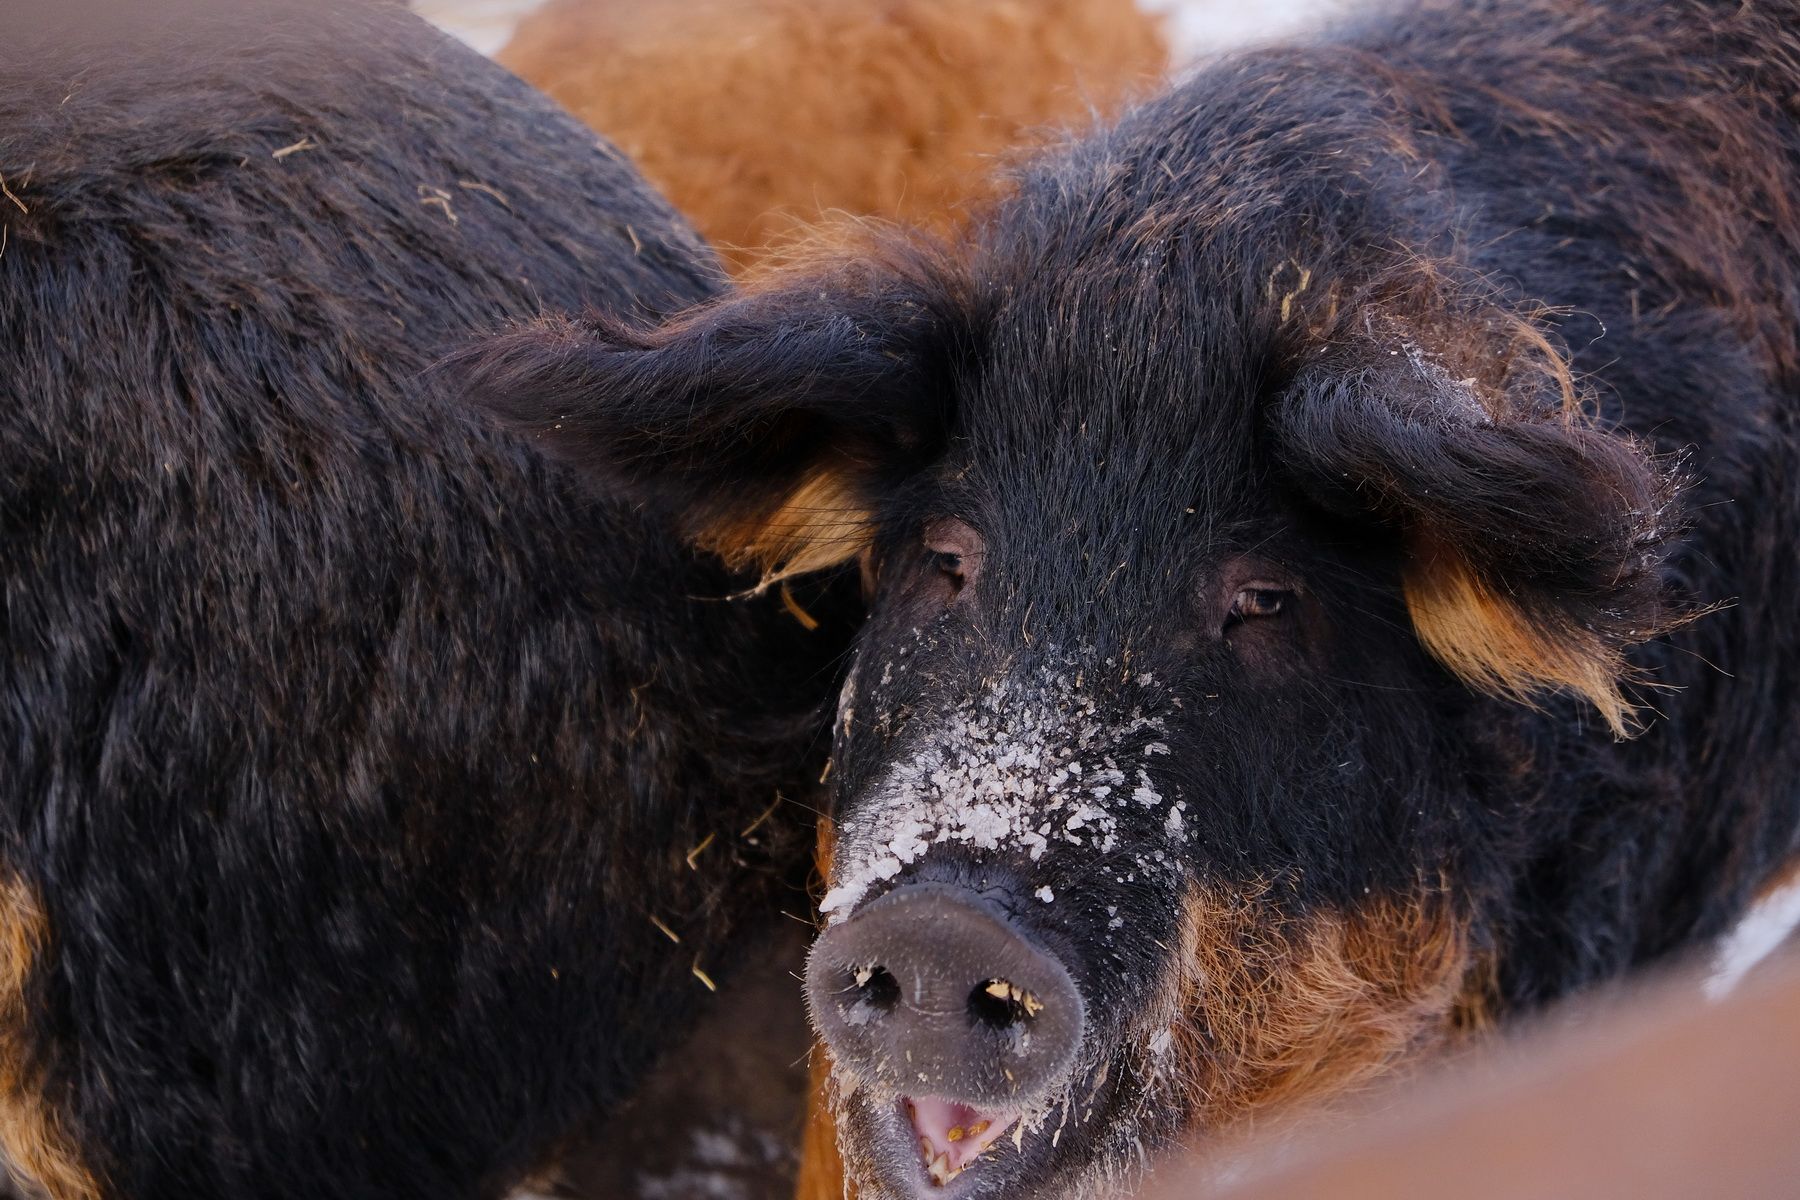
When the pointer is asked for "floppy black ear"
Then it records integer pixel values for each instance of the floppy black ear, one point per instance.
(1533, 536)
(764, 422)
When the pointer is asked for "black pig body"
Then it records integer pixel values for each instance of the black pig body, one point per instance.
(349, 752)
(1291, 520)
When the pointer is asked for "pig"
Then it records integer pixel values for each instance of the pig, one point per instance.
(376, 802)
(1329, 544)
(755, 115)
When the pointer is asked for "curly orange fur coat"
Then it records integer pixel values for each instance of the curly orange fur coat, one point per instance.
(755, 116)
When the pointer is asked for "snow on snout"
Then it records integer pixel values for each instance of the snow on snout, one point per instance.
(1011, 770)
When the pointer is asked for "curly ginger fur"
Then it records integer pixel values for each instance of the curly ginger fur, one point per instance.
(754, 116)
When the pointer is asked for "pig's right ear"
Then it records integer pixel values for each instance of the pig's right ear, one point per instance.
(1533, 535)
(763, 423)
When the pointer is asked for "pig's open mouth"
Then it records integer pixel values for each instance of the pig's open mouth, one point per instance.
(904, 1149)
(933, 1148)
(952, 1136)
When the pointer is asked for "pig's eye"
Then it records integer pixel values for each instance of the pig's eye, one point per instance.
(953, 551)
(1257, 602)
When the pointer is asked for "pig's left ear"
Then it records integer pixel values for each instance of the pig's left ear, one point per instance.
(1533, 537)
(763, 424)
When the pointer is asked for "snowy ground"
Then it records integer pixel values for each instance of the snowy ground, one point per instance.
(1201, 27)
(484, 24)
(1196, 27)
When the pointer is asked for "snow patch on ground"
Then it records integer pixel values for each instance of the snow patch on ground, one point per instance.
(1197, 28)
(1769, 922)
(724, 1163)
(486, 25)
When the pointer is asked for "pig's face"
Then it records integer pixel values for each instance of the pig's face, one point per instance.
(1177, 773)
(1148, 800)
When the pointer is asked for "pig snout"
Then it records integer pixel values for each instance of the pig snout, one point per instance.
(932, 990)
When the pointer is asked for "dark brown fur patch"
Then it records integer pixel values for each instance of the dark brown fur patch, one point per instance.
(822, 1175)
(30, 1135)
(1277, 1015)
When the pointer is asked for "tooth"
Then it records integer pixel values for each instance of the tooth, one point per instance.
(939, 1170)
(999, 990)
(955, 1134)
(1019, 1137)
(926, 1149)
(975, 1130)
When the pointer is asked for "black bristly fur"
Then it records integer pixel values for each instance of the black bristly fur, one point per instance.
(1569, 516)
(1500, 297)
(347, 747)
(737, 403)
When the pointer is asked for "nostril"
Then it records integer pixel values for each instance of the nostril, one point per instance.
(877, 986)
(867, 994)
(1001, 1005)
